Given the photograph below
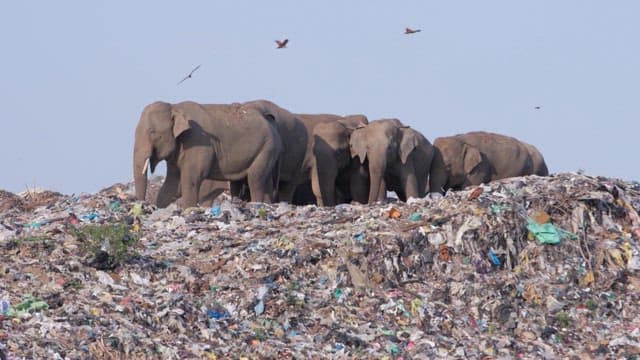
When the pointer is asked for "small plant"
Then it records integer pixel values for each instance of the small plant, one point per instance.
(108, 244)
(591, 304)
(73, 284)
(37, 241)
(260, 333)
(563, 319)
(31, 239)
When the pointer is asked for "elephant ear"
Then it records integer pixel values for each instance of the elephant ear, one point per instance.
(180, 122)
(472, 158)
(358, 144)
(409, 142)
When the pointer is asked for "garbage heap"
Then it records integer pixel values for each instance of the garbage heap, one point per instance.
(529, 267)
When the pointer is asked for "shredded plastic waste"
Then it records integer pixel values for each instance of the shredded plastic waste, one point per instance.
(528, 267)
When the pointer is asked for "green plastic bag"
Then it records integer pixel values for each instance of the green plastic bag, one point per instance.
(547, 233)
(28, 304)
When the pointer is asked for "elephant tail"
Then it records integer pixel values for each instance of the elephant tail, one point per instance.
(275, 176)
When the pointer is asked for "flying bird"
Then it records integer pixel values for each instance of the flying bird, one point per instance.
(190, 74)
(409, 31)
(282, 43)
(537, 107)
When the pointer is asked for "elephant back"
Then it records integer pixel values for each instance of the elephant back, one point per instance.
(539, 165)
(507, 156)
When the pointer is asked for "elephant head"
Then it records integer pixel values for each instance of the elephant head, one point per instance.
(354, 121)
(416, 154)
(155, 140)
(330, 156)
(456, 164)
(386, 146)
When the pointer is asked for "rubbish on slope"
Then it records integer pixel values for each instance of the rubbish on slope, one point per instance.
(469, 274)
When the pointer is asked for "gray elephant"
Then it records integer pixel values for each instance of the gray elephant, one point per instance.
(479, 157)
(335, 175)
(397, 157)
(295, 143)
(217, 142)
(305, 137)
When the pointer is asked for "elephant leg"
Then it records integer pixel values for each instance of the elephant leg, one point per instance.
(263, 176)
(286, 189)
(269, 189)
(422, 178)
(401, 195)
(409, 184)
(359, 183)
(438, 181)
(191, 177)
(323, 182)
(169, 190)
(382, 191)
(374, 189)
(190, 187)
(238, 188)
(303, 195)
(209, 191)
(342, 195)
(260, 186)
(259, 189)
(377, 187)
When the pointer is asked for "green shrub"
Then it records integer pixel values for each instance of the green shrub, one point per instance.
(109, 245)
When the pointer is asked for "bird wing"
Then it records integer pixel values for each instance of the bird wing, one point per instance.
(191, 73)
(183, 79)
(194, 70)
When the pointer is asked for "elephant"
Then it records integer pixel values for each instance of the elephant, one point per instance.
(479, 157)
(205, 141)
(334, 174)
(298, 164)
(295, 138)
(397, 157)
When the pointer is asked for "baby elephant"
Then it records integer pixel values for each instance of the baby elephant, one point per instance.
(479, 157)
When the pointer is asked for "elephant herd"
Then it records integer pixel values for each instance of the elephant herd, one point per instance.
(265, 153)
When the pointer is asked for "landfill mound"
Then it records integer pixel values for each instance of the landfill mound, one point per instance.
(528, 267)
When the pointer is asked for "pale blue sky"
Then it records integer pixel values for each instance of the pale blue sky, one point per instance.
(77, 74)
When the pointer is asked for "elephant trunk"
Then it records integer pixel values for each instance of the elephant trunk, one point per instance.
(377, 169)
(142, 154)
(438, 173)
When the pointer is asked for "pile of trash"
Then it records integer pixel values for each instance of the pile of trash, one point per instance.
(525, 267)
